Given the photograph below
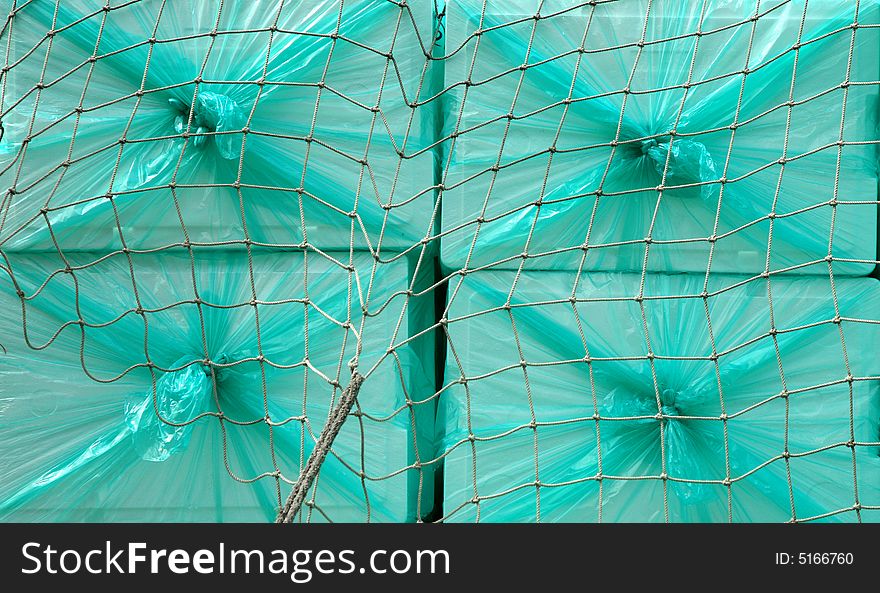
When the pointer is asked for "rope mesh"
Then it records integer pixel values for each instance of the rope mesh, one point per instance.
(532, 297)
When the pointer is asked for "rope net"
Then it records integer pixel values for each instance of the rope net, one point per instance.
(405, 260)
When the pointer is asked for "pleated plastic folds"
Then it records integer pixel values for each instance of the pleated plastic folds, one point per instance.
(598, 261)
(676, 413)
(569, 152)
(82, 437)
(733, 141)
(149, 140)
(188, 238)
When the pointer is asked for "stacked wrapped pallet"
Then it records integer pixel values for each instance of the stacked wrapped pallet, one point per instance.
(206, 212)
(663, 218)
(655, 226)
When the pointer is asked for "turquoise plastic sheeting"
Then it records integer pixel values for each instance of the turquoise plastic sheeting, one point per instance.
(728, 125)
(80, 438)
(116, 126)
(591, 357)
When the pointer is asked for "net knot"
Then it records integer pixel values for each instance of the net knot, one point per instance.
(212, 113)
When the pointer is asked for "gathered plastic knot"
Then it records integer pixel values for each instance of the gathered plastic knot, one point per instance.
(689, 161)
(181, 396)
(667, 402)
(685, 440)
(212, 112)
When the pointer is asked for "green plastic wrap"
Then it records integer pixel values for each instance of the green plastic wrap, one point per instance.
(110, 409)
(562, 159)
(580, 382)
(300, 130)
(210, 210)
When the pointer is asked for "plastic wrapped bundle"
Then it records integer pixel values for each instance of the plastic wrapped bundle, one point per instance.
(152, 123)
(698, 140)
(242, 389)
(616, 409)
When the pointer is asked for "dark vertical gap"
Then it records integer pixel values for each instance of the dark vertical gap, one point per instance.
(440, 292)
(875, 273)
